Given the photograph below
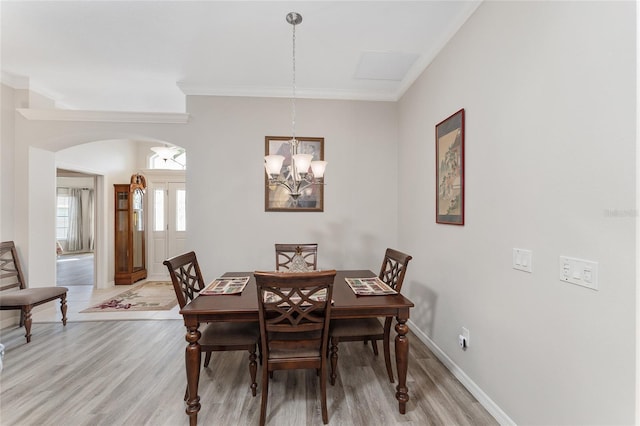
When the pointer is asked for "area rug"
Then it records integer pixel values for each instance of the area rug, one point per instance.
(148, 296)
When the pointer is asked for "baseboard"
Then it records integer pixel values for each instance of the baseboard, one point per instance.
(489, 405)
(158, 277)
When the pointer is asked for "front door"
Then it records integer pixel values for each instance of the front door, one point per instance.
(168, 224)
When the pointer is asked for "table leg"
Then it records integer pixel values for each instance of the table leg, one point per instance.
(192, 363)
(402, 363)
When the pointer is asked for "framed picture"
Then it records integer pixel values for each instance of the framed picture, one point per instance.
(276, 197)
(450, 170)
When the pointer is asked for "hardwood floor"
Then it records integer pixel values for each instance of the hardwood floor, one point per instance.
(132, 373)
(74, 269)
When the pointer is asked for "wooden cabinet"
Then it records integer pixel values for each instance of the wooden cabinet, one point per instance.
(130, 265)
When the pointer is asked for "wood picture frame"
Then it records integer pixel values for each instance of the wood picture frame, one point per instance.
(276, 198)
(450, 184)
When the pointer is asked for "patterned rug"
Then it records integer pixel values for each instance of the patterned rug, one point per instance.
(148, 296)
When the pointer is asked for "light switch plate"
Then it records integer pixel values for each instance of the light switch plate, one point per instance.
(579, 271)
(523, 260)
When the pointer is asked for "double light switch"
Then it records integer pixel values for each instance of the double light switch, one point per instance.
(522, 260)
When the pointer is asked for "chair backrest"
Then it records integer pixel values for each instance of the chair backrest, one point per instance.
(285, 254)
(186, 276)
(294, 310)
(394, 266)
(10, 270)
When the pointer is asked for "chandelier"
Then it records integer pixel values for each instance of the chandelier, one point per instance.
(303, 170)
(167, 152)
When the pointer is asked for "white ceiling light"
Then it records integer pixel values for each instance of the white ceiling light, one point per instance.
(166, 152)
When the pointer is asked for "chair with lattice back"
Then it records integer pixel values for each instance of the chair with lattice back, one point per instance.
(392, 272)
(216, 336)
(15, 294)
(289, 256)
(294, 310)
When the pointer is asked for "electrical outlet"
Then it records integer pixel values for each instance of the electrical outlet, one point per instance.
(462, 342)
(579, 271)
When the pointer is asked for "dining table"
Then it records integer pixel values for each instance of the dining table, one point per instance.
(244, 307)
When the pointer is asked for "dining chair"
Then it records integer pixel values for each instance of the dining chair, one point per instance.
(290, 257)
(15, 294)
(392, 272)
(294, 310)
(216, 336)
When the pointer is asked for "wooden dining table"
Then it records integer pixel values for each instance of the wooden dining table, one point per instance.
(244, 307)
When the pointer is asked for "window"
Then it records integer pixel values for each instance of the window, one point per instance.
(158, 210)
(181, 210)
(177, 163)
(62, 213)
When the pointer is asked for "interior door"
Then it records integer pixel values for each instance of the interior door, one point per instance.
(168, 224)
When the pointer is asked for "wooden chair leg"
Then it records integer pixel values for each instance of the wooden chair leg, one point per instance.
(207, 359)
(374, 345)
(26, 312)
(253, 368)
(63, 308)
(334, 360)
(265, 394)
(323, 392)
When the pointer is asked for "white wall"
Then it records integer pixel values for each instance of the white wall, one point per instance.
(7, 137)
(227, 224)
(549, 94)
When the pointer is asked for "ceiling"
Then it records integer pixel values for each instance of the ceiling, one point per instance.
(147, 55)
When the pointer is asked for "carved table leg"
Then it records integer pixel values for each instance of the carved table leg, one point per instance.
(253, 369)
(402, 361)
(192, 362)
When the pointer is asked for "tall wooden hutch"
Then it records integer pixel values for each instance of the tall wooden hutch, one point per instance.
(130, 264)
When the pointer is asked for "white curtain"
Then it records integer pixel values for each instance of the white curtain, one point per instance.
(89, 218)
(74, 232)
(81, 220)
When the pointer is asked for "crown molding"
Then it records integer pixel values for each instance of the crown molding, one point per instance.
(425, 60)
(286, 92)
(104, 116)
(14, 81)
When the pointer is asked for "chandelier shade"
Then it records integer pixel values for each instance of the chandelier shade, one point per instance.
(273, 164)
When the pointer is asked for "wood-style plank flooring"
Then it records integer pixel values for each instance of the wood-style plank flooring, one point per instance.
(74, 269)
(132, 373)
